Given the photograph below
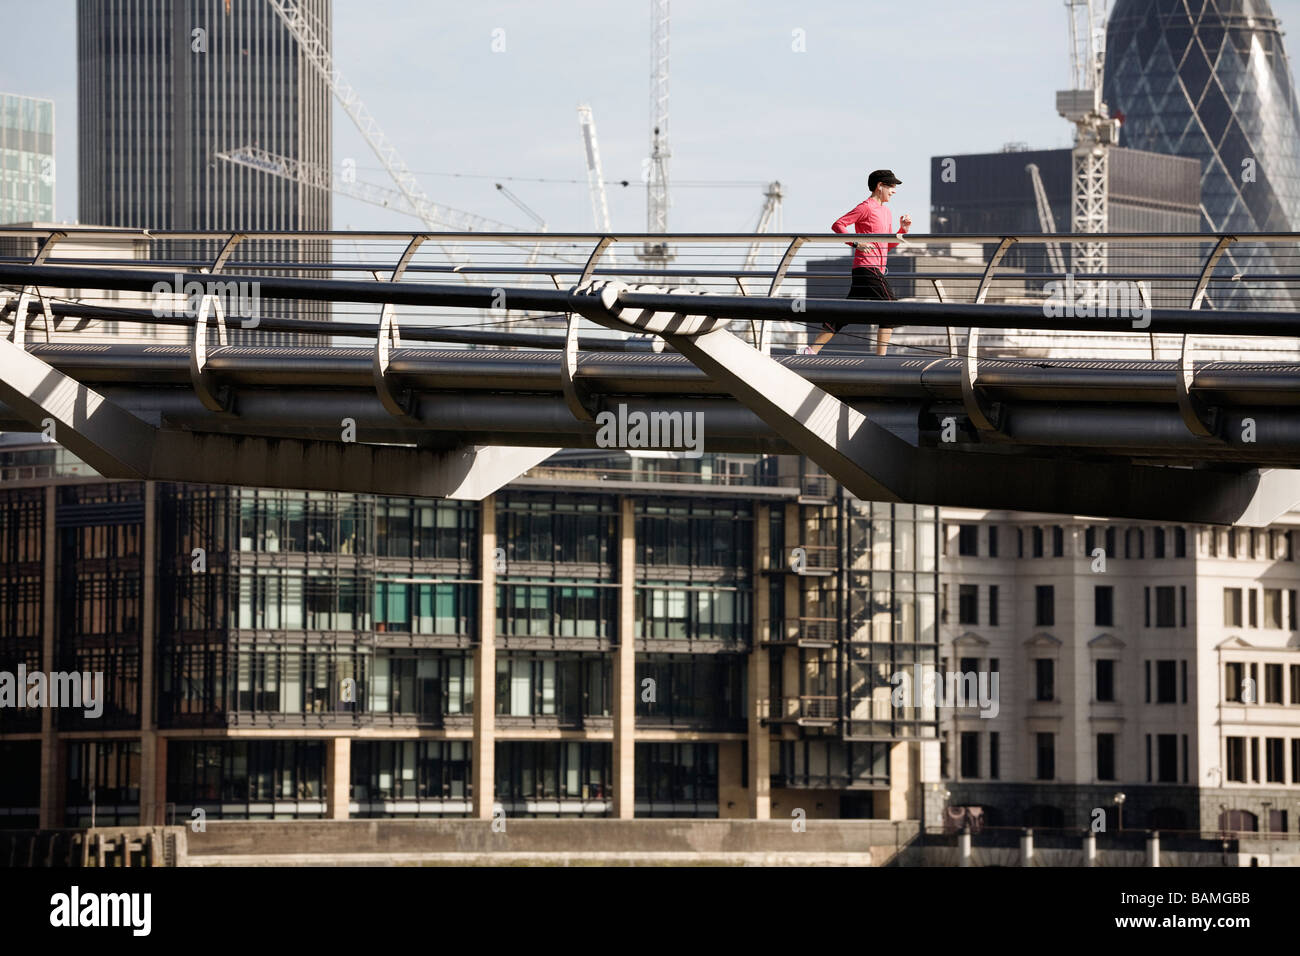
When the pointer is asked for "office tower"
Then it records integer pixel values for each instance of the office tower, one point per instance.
(1210, 80)
(162, 87)
(27, 172)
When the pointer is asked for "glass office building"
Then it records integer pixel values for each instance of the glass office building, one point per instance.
(26, 159)
(1210, 80)
(713, 639)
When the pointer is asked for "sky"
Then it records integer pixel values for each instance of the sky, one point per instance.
(876, 85)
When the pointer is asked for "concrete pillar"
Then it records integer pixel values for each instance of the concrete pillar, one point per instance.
(1153, 848)
(150, 810)
(338, 777)
(900, 780)
(624, 756)
(1090, 849)
(52, 783)
(963, 847)
(1027, 848)
(485, 666)
(759, 678)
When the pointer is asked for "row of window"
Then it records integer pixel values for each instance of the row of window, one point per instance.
(1169, 608)
(204, 681)
(1040, 542)
(1272, 600)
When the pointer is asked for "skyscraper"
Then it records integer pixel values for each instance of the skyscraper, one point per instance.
(26, 158)
(1209, 79)
(164, 86)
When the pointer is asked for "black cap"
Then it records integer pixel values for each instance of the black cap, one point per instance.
(885, 176)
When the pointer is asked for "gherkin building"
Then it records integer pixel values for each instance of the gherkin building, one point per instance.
(1209, 79)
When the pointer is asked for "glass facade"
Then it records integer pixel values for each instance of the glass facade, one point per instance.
(1210, 80)
(276, 611)
(26, 159)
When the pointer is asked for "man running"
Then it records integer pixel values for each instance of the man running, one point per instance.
(869, 216)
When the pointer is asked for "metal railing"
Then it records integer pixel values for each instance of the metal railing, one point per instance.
(1178, 270)
(802, 630)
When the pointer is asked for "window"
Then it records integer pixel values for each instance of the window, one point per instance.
(1146, 607)
(1058, 541)
(1291, 609)
(1236, 759)
(970, 754)
(1252, 596)
(1044, 672)
(1133, 543)
(1105, 670)
(1273, 608)
(1274, 769)
(1234, 678)
(1148, 736)
(993, 541)
(1254, 759)
(993, 755)
(1046, 756)
(1147, 679)
(993, 665)
(1232, 607)
(966, 540)
(1167, 758)
(1158, 543)
(1186, 763)
(1272, 683)
(1166, 682)
(967, 604)
(1020, 542)
(1295, 683)
(1089, 540)
(1112, 548)
(1044, 605)
(1165, 607)
(1182, 605)
(1295, 760)
(1105, 756)
(1038, 542)
(1180, 542)
(1103, 605)
(993, 605)
(1182, 665)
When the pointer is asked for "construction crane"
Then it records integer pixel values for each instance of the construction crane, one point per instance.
(771, 211)
(434, 215)
(1046, 221)
(595, 174)
(1094, 130)
(527, 211)
(656, 205)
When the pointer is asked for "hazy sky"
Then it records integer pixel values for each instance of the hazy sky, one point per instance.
(880, 85)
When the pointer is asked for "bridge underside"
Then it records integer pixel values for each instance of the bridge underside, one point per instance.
(1079, 437)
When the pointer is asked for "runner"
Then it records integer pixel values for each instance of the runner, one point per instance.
(869, 216)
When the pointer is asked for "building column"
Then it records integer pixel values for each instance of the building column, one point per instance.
(338, 777)
(760, 748)
(52, 784)
(485, 665)
(624, 756)
(151, 810)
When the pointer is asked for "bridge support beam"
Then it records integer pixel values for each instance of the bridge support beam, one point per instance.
(877, 465)
(118, 444)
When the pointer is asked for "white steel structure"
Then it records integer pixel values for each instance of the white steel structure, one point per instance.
(656, 209)
(1094, 130)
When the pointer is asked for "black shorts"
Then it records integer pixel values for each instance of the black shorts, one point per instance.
(868, 283)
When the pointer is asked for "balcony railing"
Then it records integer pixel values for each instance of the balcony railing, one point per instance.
(806, 709)
(802, 631)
